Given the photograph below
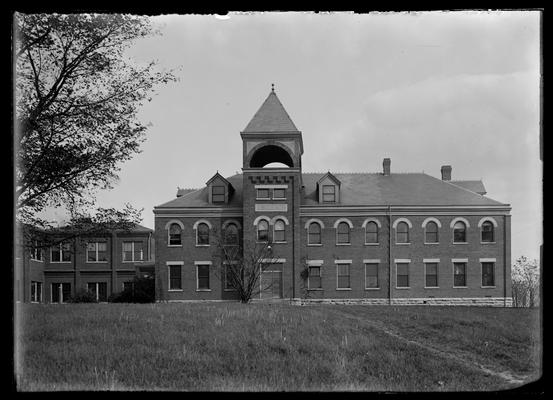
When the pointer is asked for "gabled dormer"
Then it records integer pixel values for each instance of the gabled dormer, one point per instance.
(328, 189)
(219, 190)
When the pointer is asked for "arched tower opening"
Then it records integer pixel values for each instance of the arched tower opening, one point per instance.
(270, 154)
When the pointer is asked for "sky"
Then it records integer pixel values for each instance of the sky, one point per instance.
(424, 89)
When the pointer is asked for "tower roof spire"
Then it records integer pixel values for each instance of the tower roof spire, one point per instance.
(271, 117)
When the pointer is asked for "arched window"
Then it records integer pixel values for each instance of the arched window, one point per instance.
(175, 235)
(431, 232)
(459, 232)
(202, 234)
(402, 232)
(231, 234)
(314, 233)
(263, 231)
(371, 232)
(279, 233)
(487, 232)
(342, 233)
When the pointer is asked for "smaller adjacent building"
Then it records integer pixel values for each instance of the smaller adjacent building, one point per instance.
(102, 264)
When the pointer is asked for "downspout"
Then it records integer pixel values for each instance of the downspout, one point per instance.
(293, 241)
(504, 261)
(390, 254)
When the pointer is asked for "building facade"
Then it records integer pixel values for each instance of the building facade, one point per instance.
(101, 264)
(369, 238)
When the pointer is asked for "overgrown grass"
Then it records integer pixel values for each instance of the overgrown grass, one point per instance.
(232, 346)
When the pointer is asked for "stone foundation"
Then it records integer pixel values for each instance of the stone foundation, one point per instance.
(446, 301)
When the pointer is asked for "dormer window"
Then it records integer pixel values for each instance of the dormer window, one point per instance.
(329, 194)
(218, 194)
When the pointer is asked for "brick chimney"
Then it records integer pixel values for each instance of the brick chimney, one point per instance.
(446, 172)
(386, 166)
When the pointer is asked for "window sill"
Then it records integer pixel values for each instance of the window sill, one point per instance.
(202, 245)
(488, 242)
(372, 244)
(96, 262)
(431, 243)
(175, 290)
(315, 289)
(343, 244)
(314, 244)
(60, 262)
(174, 245)
(280, 198)
(460, 287)
(403, 287)
(431, 287)
(262, 199)
(280, 242)
(35, 260)
(343, 288)
(372, 288)
(487, 287)
(403, 244)
(460, 242)
(203, 290)
(131, 262)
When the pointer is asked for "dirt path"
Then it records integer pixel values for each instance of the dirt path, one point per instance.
(506, 375)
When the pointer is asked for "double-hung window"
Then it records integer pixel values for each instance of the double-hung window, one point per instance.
(459, 274)
(314, 277)
(175, 276)
(371, 275)
(314, 233)
(431, 232)
(343, 276)
(402, 274)
(96, 252)
(133, 252)
(329, 194)
(60, 292)
(61, 253)
(431, 274)
(218, 194)
(202, 276)
(488, 274)
(36, 292)
(487, 232)
(99, 290)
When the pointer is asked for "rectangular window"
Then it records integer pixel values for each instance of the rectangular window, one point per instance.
(314, 277)
(61, 292)
(263, 194)
(218, 194)
(203, 276)
(459, 274)
(329, 193)
(343, 276)
(431, 275)
(279, 194)
(61, 253)
(99, 289)
(402, 275)
(230, 270)
(132, 252)
(371, 276)
(175, 277)
(488, 278)
(96, 252)
(36, 292)
(36, 251)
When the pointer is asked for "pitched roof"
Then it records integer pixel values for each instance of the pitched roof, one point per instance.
(199, 197)
(372, 189)
(403, 189)
(271, 117)
(473, 186)
(182, 192)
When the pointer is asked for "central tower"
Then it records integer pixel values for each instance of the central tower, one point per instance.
(272, 193)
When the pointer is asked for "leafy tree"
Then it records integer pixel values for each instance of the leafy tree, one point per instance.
(141, 290)
(77, 98)
(525, 278)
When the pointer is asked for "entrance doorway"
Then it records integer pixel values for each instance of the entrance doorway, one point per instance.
(271, 284)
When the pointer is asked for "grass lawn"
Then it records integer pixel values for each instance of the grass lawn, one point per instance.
(232, 346)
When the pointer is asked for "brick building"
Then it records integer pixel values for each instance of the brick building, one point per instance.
(382, 238)
(102, 264)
